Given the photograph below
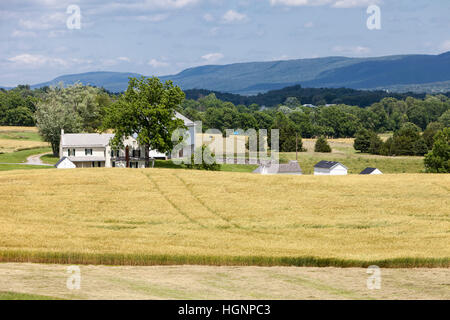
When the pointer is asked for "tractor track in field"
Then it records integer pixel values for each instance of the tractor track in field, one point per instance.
(178, 209)
(209, 209)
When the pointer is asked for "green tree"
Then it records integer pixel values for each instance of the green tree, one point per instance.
(430, 132)
(287, 133)
(445, 118)
(322, 145)
(362, 140)
(20, 116)
(147, 110)
(376, 144)
(75, 109)
(438, 159)
(208, 161)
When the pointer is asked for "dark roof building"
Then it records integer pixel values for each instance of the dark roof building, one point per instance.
(371, 171)
(292, 168)
(330, 168)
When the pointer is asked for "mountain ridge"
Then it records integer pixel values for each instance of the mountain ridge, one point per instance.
(248, 78)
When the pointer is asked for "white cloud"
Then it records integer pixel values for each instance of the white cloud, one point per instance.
(44, 22)
(445, 46)
(309, 24)
(157, 64)
(36, 60)
(213, 57)
(208, 17)
(233, 16)
(354, 3)
(152, 18)
(22, 34)
(124, 59)
(356, 50)
(333, 3)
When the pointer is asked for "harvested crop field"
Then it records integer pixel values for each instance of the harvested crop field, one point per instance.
(163, 216)
(203, 282)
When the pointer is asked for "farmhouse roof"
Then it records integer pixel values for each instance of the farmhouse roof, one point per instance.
(328, 164)
(187, 122)
(86, 139)
(368, 170)
(272, 168)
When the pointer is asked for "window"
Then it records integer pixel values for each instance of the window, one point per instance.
(113, 164)
(88, 152)
(71, 152)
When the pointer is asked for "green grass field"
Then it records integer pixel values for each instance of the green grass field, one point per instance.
(23, 296)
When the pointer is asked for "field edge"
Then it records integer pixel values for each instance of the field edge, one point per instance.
(167, 260)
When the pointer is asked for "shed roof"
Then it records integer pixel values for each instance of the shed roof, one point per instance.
(328, 164)
(273, 168)
(368, 170)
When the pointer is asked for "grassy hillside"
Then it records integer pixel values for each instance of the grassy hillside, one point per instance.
(164, 216)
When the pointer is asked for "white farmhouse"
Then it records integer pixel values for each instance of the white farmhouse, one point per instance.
(371, 171)
(330, 168)
(88, 150)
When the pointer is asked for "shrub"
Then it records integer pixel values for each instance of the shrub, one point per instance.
(376, 144)
(438, 159)
(322, 145)
(208, 161)
(362, 140)
(430, 132)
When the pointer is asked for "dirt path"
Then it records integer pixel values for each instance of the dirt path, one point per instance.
(34, 160)
(203, 282)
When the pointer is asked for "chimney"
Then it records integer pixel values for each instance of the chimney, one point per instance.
(62, 131)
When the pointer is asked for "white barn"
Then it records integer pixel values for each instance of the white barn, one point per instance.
(330, 168)
(371, 171)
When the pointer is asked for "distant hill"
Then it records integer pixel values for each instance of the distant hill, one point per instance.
(111, 81)
(331, 72)
(412, 72)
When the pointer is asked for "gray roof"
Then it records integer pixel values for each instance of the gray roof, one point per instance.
(86, 159)
(59, 161)
(273, 168)
(328, 164)
(86, 139)
(368, 170)
(187, 122)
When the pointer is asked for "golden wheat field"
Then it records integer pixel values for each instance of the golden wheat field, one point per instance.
(163, 216)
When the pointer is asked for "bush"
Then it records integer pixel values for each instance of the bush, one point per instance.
(362, 140)
(208, 161)
(430, 132)
(322, 145)
(406, 142)
(376, 144)
(438, 159)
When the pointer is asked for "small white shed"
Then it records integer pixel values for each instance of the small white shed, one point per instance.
(371, 171)
(65, 163)
(330, 168)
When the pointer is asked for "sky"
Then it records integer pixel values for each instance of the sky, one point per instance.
(42, 39)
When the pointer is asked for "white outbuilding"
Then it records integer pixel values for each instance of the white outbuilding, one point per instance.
(371, 171)
(65, 163)
(291, 168)
(330, 168)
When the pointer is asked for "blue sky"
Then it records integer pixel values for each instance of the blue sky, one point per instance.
(160, 37)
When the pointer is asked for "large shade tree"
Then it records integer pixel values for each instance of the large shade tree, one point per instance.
(75, 109)
(147, 111)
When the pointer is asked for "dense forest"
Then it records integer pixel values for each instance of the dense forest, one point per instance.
(315, 96)
(388, 114)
